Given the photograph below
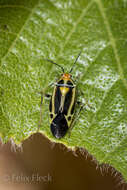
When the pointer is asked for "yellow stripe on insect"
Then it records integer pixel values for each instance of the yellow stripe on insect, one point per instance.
(64, 90)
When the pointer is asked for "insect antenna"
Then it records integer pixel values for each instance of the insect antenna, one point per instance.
(55, 64)
(75, 62)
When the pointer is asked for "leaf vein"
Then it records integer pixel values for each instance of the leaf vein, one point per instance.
(15, 6)
(84, 11)
(18, 34)
(113, 42)
(100, 106)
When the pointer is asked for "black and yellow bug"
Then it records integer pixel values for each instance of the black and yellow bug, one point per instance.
(62, 103)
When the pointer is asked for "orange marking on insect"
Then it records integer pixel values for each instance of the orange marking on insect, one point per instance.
(66, 76)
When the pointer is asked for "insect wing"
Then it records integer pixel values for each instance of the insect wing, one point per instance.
(59, 126)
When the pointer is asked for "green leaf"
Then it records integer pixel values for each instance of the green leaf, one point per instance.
(33, 30)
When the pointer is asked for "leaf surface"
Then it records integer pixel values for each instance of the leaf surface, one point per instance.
(33, 30)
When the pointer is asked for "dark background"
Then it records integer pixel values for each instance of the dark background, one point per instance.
(53, 167)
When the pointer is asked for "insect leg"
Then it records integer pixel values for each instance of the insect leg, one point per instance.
(42, 101)
(76, 116)
(39, 124)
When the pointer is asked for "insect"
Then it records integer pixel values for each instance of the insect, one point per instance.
(62, 103)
